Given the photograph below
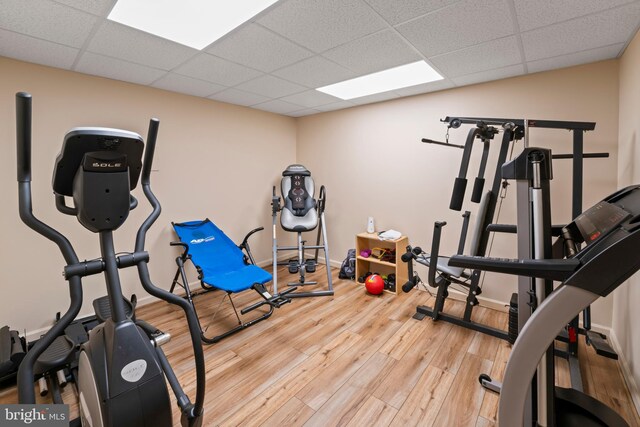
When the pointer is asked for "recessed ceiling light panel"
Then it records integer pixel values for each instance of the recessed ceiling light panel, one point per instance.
(394, 78)
(194, 23)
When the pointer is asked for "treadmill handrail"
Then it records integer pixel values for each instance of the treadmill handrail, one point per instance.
(552, 269)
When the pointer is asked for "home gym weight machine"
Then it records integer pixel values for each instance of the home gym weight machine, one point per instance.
(484, 130)
(610, 231)
(513, 130)
(122, 368)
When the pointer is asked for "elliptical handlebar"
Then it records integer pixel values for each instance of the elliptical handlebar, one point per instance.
(23, 133)
(23, 140)
(62, 206)
(152, 137)
(26, 392)
(145, 180)
(195, 410)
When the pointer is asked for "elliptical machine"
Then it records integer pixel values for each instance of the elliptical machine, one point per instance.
(122, 368)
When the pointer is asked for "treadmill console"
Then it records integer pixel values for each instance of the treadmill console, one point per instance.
(596, 222)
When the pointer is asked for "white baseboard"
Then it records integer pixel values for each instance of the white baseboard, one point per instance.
(148, 299)
(634, 390)
(332, 263)
(504, 307)
(484, 302)
(321, 260)
(37, 333)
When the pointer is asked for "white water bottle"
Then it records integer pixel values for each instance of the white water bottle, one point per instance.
(370, 226)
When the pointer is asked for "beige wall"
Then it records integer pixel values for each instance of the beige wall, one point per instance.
(627, 298)
(373, 164)
(210, 162)
(213, 160)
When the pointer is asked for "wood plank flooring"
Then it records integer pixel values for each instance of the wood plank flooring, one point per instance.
(353, 360)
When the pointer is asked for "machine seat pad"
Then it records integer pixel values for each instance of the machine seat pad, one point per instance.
(444, 267)
(236, 280)
(291, 222)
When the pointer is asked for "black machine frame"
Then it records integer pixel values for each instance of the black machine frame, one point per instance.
(141, 341)
(513, 130)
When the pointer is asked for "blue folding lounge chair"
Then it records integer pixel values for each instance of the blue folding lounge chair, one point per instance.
(221, 265)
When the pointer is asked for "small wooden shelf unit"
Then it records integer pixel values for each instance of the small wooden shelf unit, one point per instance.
(363, 265)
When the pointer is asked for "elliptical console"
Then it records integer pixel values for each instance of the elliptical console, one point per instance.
(122, 368)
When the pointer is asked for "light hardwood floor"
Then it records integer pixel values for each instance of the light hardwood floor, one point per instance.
(354, 360)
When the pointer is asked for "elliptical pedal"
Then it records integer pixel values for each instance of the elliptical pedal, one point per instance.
(102, 308)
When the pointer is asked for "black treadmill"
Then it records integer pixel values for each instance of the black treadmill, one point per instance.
(610, 233)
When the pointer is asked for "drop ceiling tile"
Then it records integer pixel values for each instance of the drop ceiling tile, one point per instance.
(305, 112)
(98, 65)
(123, 42)
(310, 98)
(188, 85)
(377, 97)
(335, 106)
(397, 11)
(602, 29)
(95, 7)
(486, 76)
(460, 25)
(373, 53)
(592, 55)
(540, 13)
(259, 48)
(494, 54)
(425, 88)
(46, 20)
(25, 48)
(216, 70)
(315, 72)
(238, 97)
(277, 106)
(321, 25)
(271, 87)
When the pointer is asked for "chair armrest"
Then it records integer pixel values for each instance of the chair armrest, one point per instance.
(243, 245)
(435, 251)
(185, 252)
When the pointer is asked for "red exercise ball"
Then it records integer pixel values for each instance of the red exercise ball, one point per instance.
(374, 284)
